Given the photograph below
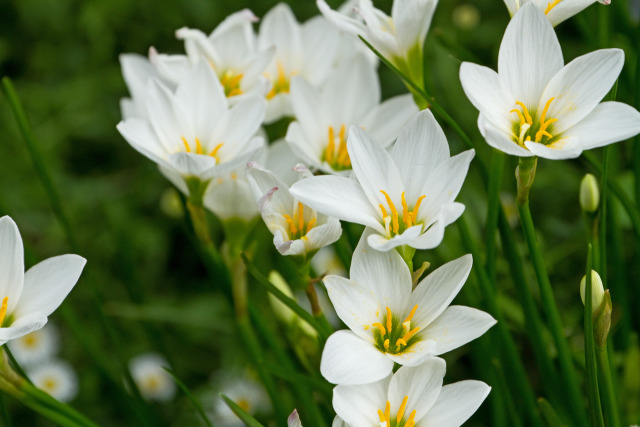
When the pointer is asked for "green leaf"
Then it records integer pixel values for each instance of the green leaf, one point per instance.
(244, 416)
(190, 396)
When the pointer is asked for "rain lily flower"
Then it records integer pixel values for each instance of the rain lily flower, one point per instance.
(27, 299)
(536, 106)
(193, 133)
(556, 10)
(413, 396)
(154, 383)
(351, 96)
(297, 229)
(390, 321)
(399, 37)
(306, 50)
(36, 346)
(247, 393)
(231, 50)
(57, 378)
(406, 196)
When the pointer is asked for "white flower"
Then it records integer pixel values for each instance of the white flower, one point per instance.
(535, 106)
(193, 133)
(351, 96)
(555, 10)
(27, 299)
(56, 377)
(326, 261)
(390, 321)
(413, 396)
(406, 196)
(232, 51)
(246, 393)
(297, 229)
(36, 346)
(306, 50)
(399, 37)
(154, 383)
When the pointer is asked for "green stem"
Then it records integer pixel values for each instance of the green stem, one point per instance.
(495, 179)
(316, 310)
(549, 304)
(15, 364)
(608, 390)
(192, 399)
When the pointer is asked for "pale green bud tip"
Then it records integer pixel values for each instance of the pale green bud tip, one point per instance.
(284, 313)
(589, 194)
(597, 290)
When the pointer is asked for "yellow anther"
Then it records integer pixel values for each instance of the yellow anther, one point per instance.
(406, 326)
(311, 224)
(292, 226)
(411, 420)
(3, 309)
(527, 116)
(300, 216)
(394, 212)
(281, 84)
(386, 344)
(331, 146)
(378, 325)
(199, 149)
(387, 412)
(545, 123)
(186, 144)
(389, 320)
(522, 120)
(214, 152)
(546, 108)
(414, 214)
(551, 6)
(413, 311)
(343, 154)
(403, 406)
(411, 333)
(406, 215)
(542, 133)
(384, 211)
(381, 415)
(231, 83)
(400, 342)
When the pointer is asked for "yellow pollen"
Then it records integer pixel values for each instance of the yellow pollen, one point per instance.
(551, 6)
(410, 316)
(406, 215)
(3, 309)
(527, 116)
(379, 325)
(403, 406)
(386, 344)
(414, 214)
(394, 212)
(388, 320)
(411, 420)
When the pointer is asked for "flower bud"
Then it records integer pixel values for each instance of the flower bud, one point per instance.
(597, 290)
(589, 194)
(283, 313)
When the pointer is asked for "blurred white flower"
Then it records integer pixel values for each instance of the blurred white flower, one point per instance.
(555, 10)
(406, 196)
(390, 321)
(537, 106)
(154, 383)
(36, 346)
(350, 97)
(246, 393)
(413, 396)
(56, 377)
(29, 298)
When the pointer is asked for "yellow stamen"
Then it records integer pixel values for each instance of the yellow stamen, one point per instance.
(388, 320)
(406, 215)
(544, 123)
(384, 211)
(522, 120)
(394, 212)
(311, 224)
(546, 108)
(386, 344)
(3, 309)
(401, 342)
(381, 415)
(281, 84)
(411, 420)
(300, 216)
(551, 6)
(292, 226)
(378, 325)
(199, 149)
(410, 316)
(411, 333)
(331, 146)
(343, 154)
(214, 152)
(186, 144)
(403, 406)
(527, 116)
(414, 214)
(387, 412)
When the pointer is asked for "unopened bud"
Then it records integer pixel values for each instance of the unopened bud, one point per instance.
(602, 321)
(284, 313)
(597, 290)
(589, 194)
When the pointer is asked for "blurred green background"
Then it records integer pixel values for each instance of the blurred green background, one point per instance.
(142, 269)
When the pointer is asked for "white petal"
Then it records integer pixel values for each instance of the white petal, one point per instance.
(262, 183)
(48, 283)
(433, 236)
(324, 234)
(136, 70)
(11, 262)
(385, 273)
(500, 140)
(167, 119)
(143, 139)
(22, 326)
(381, 243)
(350, 360)
(412, 19)
(358, 405)
(355, 303)
(564, 148)
(190, 164)
(436, 291)
(422, 385)
(529, 56)
(385, 121)
(320, 45)
(349, 204)
(456, 403)
(302, 147)
(580, 86)
(308, 110)
(484, 89)
(280, 29)
(456, 326)
(237, 126)
(566, 9)
(609, 122)
(346, 24)
(416, 354)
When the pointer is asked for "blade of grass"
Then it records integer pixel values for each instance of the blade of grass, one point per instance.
(243, 415)
(197, 406)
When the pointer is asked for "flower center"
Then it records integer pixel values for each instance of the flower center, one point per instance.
(200, 150)
(394, 336)
(530, 130)
(551, 6)
(336, 152)
(231, 83)
(398, 421)
(281, 83)
(3, 310)
(393, 223)
(297, 225)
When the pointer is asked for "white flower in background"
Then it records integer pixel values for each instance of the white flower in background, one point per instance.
(246, 393)
(555, 10)
(27, 299)
(154, 383)
(326, 261)
(232, 51)
(136, 70)
(57, 378)
(36, 346)
(351, 96)
(294, 419)
(536, 106)
(406, 196)
(399, 37)
(297, 229)
(390, 321)
(413, 396)
(193, 133)
(306, 50)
